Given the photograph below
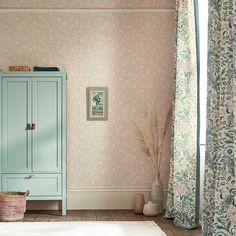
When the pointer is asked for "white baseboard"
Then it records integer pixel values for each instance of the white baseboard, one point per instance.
(96, 198)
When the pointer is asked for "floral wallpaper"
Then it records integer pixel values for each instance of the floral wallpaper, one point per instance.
(130, 53)
(87, 4)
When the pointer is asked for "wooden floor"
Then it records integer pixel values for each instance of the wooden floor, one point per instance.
(109, 215)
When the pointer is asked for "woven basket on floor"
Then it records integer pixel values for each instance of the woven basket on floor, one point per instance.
(12, 205)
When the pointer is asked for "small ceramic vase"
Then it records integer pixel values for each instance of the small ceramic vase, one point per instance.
(150, 209)
(138, 203)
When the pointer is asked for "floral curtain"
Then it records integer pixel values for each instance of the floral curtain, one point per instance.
(219, 209)
(182, 201)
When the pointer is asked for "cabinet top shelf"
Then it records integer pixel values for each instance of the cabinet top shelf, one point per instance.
(33, 73)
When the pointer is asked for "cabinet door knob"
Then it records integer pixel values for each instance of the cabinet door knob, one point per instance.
(28, 126)
(33, 126)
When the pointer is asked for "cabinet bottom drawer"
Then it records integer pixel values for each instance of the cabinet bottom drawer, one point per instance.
(38, 184)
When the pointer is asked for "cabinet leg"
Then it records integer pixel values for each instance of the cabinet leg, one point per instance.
(64, 207)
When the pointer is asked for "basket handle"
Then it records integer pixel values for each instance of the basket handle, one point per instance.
(27, 193)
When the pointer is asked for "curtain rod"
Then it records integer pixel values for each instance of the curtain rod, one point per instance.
(86, 10)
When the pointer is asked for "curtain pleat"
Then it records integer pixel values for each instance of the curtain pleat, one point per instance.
(219, 205)
(183, 190)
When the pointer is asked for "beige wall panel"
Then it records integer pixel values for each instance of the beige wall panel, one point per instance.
(87, 4)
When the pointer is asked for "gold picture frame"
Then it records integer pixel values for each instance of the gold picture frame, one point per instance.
(97, 103)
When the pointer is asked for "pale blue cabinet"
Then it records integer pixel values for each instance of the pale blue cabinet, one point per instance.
(47, 102)
(39, 184)
(15, 112)
(33, 134)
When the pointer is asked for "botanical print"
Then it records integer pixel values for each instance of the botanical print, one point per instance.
(219, 206)
(182, 204)
(97, 101)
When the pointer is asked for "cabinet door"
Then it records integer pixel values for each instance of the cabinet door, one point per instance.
(16, 139)
(47, 118)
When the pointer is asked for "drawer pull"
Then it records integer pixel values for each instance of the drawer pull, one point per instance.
(29, 177)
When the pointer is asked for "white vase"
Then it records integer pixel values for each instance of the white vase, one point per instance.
(150, 209)
(157, 194)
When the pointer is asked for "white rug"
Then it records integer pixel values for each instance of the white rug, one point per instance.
(113, 228)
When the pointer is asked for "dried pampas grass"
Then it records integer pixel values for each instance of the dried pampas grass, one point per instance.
(151, 135)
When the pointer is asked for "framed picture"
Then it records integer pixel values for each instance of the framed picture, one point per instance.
(97, 103)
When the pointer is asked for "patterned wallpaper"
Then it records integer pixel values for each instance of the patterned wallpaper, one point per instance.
(130, 53)
(87, 4)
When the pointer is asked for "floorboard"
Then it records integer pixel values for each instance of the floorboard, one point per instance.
(104, 215)
(109, 215)
(118, 215)
(88, 215)
(74, 216)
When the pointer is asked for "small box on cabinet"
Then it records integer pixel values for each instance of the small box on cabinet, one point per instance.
(19, 68)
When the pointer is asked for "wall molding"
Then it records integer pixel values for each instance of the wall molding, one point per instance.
(112, 189)
(87, 10)
(106, 198)
(96, 198)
